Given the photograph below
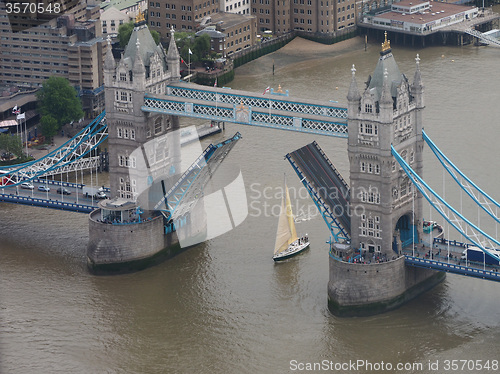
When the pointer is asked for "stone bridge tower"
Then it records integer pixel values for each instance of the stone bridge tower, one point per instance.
(389, 111)
(144, 67)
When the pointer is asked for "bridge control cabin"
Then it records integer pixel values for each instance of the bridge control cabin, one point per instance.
(121, 211)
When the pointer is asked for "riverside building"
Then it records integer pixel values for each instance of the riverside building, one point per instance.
(69, 45)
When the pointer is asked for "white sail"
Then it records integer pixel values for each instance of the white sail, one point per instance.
(291, 221)
(286, 233)
(283, 233)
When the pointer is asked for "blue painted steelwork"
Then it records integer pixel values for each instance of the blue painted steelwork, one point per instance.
(278, 114)
(338, 232)
(70, 152)
(181, 188)
(452, 268)
(423, 188)
(211, 95)
(452, 169)
(53, 204)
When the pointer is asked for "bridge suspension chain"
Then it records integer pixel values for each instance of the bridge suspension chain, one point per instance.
(67, 157)
(481, 198)
(473, 233)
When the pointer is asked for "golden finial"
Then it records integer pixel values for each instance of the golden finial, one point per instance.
(279, 89)
(386, 45)
(140, 16)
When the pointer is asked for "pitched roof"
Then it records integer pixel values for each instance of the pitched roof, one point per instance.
(145, 48)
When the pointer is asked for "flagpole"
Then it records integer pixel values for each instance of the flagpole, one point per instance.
(189, 66)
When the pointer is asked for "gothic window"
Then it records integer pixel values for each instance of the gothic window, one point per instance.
(132, 134)
(158, 126)
(123, 96)
(412, 157)
(119, 130)
(369, 128)
(361, 128)
(370, 168)
(133, 162)
(363, 166)
(125, 133)
(377, 169)
(123, 77)
(368, 108)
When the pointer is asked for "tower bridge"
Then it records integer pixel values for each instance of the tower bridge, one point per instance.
(383, 127)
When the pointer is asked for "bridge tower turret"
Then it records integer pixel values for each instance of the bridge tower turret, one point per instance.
(144, 68)
(385, 212)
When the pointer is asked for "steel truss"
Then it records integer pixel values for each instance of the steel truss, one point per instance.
(473, 233)
(188, 190)
(480, 197)
(338, 233)
(222, 95)
(247, 116)
(68, 157)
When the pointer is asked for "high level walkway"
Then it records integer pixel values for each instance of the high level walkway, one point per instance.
(273, 110)
(326, 186)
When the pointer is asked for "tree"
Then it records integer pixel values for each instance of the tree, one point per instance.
(199, 46)
(59, 100)
(49, 126)
(12, 144)
(125, 30)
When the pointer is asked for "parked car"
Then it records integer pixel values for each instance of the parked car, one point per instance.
(63, 191)
(43, 188)
(27, 186)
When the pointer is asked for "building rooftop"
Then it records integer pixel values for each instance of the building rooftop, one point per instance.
(436, 12)
(119, 4)
(229, 19)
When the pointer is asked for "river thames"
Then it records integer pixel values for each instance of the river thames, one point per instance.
(224, 306)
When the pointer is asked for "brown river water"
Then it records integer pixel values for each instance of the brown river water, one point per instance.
(224, 306)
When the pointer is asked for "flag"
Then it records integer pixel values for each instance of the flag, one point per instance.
(215, 84)
(21, 116)
(182, 61)
(15, 110)
(190, 52)
(266, 90)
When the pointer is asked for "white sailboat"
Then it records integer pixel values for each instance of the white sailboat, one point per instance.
(287, 243)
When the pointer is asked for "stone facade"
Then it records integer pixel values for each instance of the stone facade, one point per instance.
(385, 210)
(361, 290)
(141, 155)
(122, 248)
(389, 112)
(144, 68)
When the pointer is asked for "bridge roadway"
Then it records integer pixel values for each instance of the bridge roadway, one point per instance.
(447, 256)
(75, 201)
(276, 110)
(330, 190)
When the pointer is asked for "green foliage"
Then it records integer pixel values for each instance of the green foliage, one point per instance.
(125, 30)
(156, 36)
(49, 126)
(200, 46)
(59, 100)
(12, 144)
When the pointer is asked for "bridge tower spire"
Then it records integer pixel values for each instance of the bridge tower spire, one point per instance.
(385, 213)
